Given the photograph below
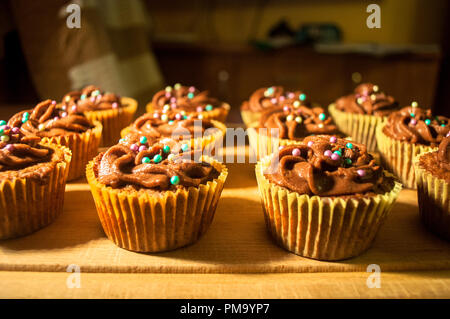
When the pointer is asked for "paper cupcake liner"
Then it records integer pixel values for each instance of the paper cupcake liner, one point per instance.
(114, 120)
(322, 228)
(398, 157)
(249, 117)
(205, 142)
(84, 147)
(361, 127)
(434, 201)
(218, 114)
(27, 206)
(142, 222)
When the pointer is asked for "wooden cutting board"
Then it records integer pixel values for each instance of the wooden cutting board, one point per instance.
(237, 241)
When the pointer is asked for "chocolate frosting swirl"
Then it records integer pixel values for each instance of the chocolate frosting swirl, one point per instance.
(297, 122)
(48, 119)
(19, 150)
(121, 167)
(416, 125)
(443, 154)
(367, 99)
(308, 168)
(274, 96)
(159, 124)
(91, 98)
(186, 98)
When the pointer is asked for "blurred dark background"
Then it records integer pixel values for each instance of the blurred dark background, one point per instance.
(229, 47)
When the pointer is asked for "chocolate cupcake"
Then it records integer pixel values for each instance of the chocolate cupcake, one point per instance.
(199, 104)
(267, 98)
(324, 198)
(175, 125)
(54, 125)
(32, 182)
(156, 199)
(287, 125)
(433, 188)
(407, 133)
(358, 114)
(112, 111)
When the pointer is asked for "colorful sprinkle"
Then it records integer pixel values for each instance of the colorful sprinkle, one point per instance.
(134, 147)
(273, 101)
(121, 140)
(171, 157)
(2, 122)
(296, 104)
(83, 96)
(115, 105)
(200, 117)
(427, 121)
(268, 92)
(209, 107)
(157, 158)
(143, 140)
(322, 116)
(155, 115)
(361, 172)
(333, 139)
(190, 95)
(302, 97)
(166, 107)
(360, 100)
(164, 117)
(286, 108)
(290, 95)
(335, 157)
(375, 88)
(174, 180)
(184, 147)
(414, 104)
(41, 127)
(298, 119)
(2, 131)
(166, 149)
(177, 86)
(145, 160)
(296, 152)
(9, 147)
(328, 153)
(178, 116)
(310, 143)
(142, 148)
(349, 145)
(373, 97)
(413, 122)
(170, 122)
(5, 138)
(191, 89)
(320, 125)
(348, 161)
(199, 109)
(168, 89)
(338, 153)
(412, 114)
(64, 114)
(289, 118)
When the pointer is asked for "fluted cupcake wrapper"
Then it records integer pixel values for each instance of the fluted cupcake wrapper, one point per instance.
(265, 144)
(434, 201)
(145, 222)
(322, 228)
(84, 147)
(205, 142)
(361, 127)
(398, 157)
(114, 120)
(27, 206)
(218, 114)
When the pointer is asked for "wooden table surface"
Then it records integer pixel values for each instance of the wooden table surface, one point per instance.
(235, 259)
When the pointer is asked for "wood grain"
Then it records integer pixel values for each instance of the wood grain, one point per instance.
(237, 241)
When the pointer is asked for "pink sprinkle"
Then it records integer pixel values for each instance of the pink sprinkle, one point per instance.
(74, 108)
(328, 153)
(281, 98)
(173, 105)
(93, 99)
(134, 147)
(310, 144)
(280, 147)
(192, 89)
(115, 105)
(335, 157)
(296, 152)
(448, 134)
(333, 139)
(55, 118)
(53, 102)
(178, 116)
(142, 148)
(273, 101)
(64, 107)
(9, 147)
(155, 115)
(199, 109)
(173, 99)
(286, 108)
(64, 114)
(168, 94)
(15, 130)
(361, 172)
(291, 95)
(413, 122)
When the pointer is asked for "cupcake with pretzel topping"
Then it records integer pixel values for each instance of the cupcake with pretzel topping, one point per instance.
(286, 125)
(325, 197)
(111, 110)
(358, 114)
(193, 102)
(33, 177)
(156, 199)
(267, 98)
(52, 124)
(406, 134)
